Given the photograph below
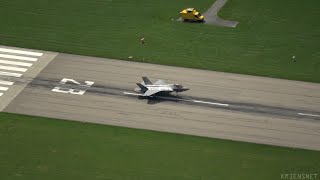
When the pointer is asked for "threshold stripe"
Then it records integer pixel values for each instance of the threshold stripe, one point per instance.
(6, 82)
(10, 74)
(16, 51)
(3, 88)
(10, 68)
(15, 63)
(18, 57)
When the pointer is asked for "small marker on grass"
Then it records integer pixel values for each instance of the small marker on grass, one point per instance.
(142, 40)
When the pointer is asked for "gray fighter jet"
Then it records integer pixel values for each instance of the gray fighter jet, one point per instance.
(159, 87)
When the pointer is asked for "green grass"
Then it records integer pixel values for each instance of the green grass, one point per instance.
(269, 34)
(42, 148)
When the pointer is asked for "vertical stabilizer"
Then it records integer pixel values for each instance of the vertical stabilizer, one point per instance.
(146, 81)
(142, 87)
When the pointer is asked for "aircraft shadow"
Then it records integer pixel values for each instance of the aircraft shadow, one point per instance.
(160, 98)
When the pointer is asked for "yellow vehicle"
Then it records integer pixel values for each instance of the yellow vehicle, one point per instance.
(190, 14)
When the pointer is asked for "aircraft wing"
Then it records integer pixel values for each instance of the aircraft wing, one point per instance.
(150, 92)
(160, 82)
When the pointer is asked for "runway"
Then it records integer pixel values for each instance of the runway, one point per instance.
(219, 105)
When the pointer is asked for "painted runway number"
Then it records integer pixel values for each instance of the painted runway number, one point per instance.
(76, 91)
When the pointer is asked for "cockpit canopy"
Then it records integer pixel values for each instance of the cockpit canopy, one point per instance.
(178, 86)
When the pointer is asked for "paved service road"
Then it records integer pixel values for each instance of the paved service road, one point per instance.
(220, 105)
(211, 16)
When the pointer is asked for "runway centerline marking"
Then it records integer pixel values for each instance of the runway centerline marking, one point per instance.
(135, 94)
(186, 100)
(206, 102)
(15, 51)
(305, 114)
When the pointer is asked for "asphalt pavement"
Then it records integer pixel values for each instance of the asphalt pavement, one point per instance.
(218, 105)
(211, 15)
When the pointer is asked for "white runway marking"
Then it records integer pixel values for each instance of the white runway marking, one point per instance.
(75, 91)
(3, 88)
(313, 115)
(18, 57)
(10, 68)
(6, 82)
(205, 102)
(135, 94)
(12, 65)
(187, 100)
(15, 51)
(15, 63)
(10, 74)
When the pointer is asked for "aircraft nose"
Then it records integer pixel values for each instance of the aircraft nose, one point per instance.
(185, 89)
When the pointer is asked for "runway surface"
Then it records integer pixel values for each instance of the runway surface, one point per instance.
(17, 67)
(219, 105)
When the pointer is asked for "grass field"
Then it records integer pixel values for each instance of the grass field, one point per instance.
(269, 34)
(41, 148)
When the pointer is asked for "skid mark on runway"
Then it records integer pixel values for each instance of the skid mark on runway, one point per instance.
(105, 90)
(234, 106)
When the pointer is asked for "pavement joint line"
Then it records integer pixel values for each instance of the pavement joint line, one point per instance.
(306, 114)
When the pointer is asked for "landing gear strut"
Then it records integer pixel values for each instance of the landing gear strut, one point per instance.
(177, 95)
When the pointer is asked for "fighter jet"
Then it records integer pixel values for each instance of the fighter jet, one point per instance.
(150, 89)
